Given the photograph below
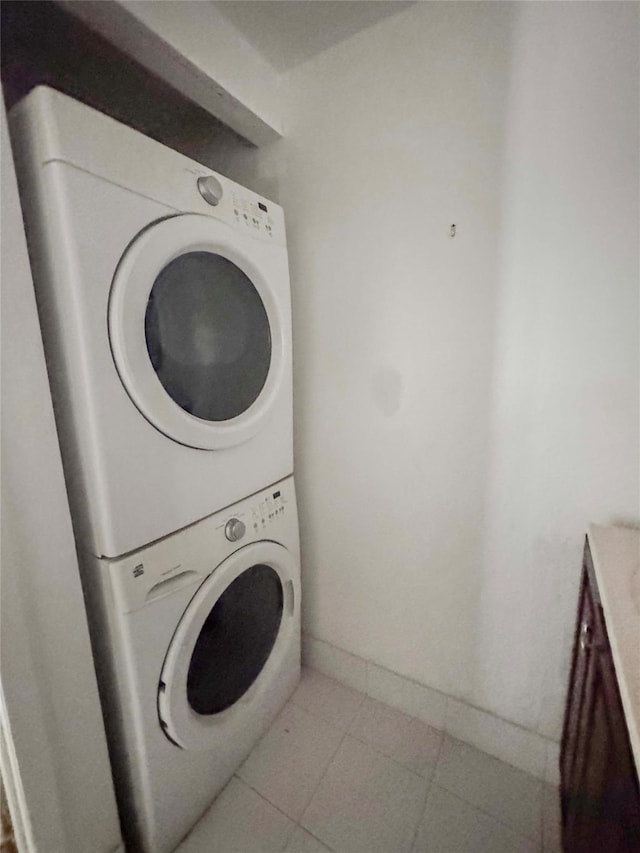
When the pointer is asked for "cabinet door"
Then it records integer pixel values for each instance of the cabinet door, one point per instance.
(601, 805)
(591, 821)
(603, 814)
(575, 721)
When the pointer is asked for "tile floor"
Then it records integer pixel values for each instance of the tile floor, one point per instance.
(339, 771)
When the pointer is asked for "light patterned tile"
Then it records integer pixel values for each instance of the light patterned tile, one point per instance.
(239, 821)
(405, 739)
(451, 825)
(428, 705)
(334, 702)
(287, 764)
(504, 792)
(365, 802)
(302, 842)
(334, 662)
(552, 766)
(506, 741)
(551, 820)
(390, 688)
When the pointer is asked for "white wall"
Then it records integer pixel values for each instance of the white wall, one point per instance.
(464, 406)
(565, 430)
(395, 135)
(53, 746)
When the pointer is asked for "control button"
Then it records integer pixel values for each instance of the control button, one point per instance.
(234, 529)
(210, 189)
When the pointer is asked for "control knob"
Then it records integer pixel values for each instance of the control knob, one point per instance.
(210, 189)
(234, 529)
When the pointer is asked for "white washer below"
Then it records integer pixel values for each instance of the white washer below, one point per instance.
(197, 642)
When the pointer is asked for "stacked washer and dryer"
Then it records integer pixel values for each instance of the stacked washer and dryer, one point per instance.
(164, 301)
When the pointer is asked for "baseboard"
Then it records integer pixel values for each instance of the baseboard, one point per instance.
(507, 741)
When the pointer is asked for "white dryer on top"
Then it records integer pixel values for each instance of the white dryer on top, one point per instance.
(164, 300)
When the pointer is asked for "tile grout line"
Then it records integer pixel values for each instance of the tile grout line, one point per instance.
(297, 823)
(447, 697)
(324, 843)
(284, 814)
(376, 749)
(428, 792)
(324, 773)
(262, 797)
(442, 731)
(488, 814)
(319, 716)
(422, 814)
(348, 732)
(430, 780)
(382, 754)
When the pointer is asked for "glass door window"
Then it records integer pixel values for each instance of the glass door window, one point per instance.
(235, 641)
(207, 335)
(197, 330)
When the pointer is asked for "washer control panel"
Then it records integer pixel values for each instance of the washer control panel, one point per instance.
(183, 559)
(268, 509)
(256, 517)
(234, 529)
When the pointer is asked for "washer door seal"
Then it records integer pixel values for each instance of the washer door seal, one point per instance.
(196, 333)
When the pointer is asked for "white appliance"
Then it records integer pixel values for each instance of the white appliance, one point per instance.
(197, 642)
(164, 299)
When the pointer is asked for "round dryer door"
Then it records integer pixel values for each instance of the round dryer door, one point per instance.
(195, 332)
(235, 631)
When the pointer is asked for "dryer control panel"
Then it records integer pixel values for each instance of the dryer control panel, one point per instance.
(236, 205)
(248, 212)
(82, 137)
(252, 214)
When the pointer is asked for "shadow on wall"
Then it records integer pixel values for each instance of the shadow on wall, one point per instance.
(42, 44)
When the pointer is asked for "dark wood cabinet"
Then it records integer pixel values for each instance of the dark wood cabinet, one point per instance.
(599, 783)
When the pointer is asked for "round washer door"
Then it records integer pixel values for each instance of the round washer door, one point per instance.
(238, 625)
(196, 333)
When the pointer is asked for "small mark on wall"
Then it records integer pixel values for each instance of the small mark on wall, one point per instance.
(388, 390)
(452, 230)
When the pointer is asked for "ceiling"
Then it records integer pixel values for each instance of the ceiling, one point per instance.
(289, 32)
